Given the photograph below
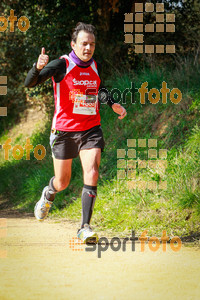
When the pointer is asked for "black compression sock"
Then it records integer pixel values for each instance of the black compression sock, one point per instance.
(51, 191)
(88, 198)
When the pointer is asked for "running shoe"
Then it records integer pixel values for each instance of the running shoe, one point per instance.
(87, 236)
(42, 207)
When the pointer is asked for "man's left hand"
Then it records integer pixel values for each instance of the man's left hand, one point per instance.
(120, 110)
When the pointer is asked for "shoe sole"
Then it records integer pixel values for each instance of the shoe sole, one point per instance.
(37, 216)
(35, 208)
(91, 240)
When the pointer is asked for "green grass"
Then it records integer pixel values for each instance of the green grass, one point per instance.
(119, 209)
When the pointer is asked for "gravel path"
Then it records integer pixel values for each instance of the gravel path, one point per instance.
(37, 262)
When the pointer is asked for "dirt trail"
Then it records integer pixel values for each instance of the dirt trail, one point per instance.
(39, 264)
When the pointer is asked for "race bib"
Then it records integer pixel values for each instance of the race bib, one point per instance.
(85, 104)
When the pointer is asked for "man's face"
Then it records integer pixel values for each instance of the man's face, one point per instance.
(84, 46)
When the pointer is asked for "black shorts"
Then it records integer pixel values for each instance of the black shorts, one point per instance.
(67, 144)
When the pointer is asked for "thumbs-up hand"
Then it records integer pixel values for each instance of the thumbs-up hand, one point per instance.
(42, 60)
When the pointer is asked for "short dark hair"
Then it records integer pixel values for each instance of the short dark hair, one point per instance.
(82, 26)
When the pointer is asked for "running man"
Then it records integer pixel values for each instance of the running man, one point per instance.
(76, 128)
